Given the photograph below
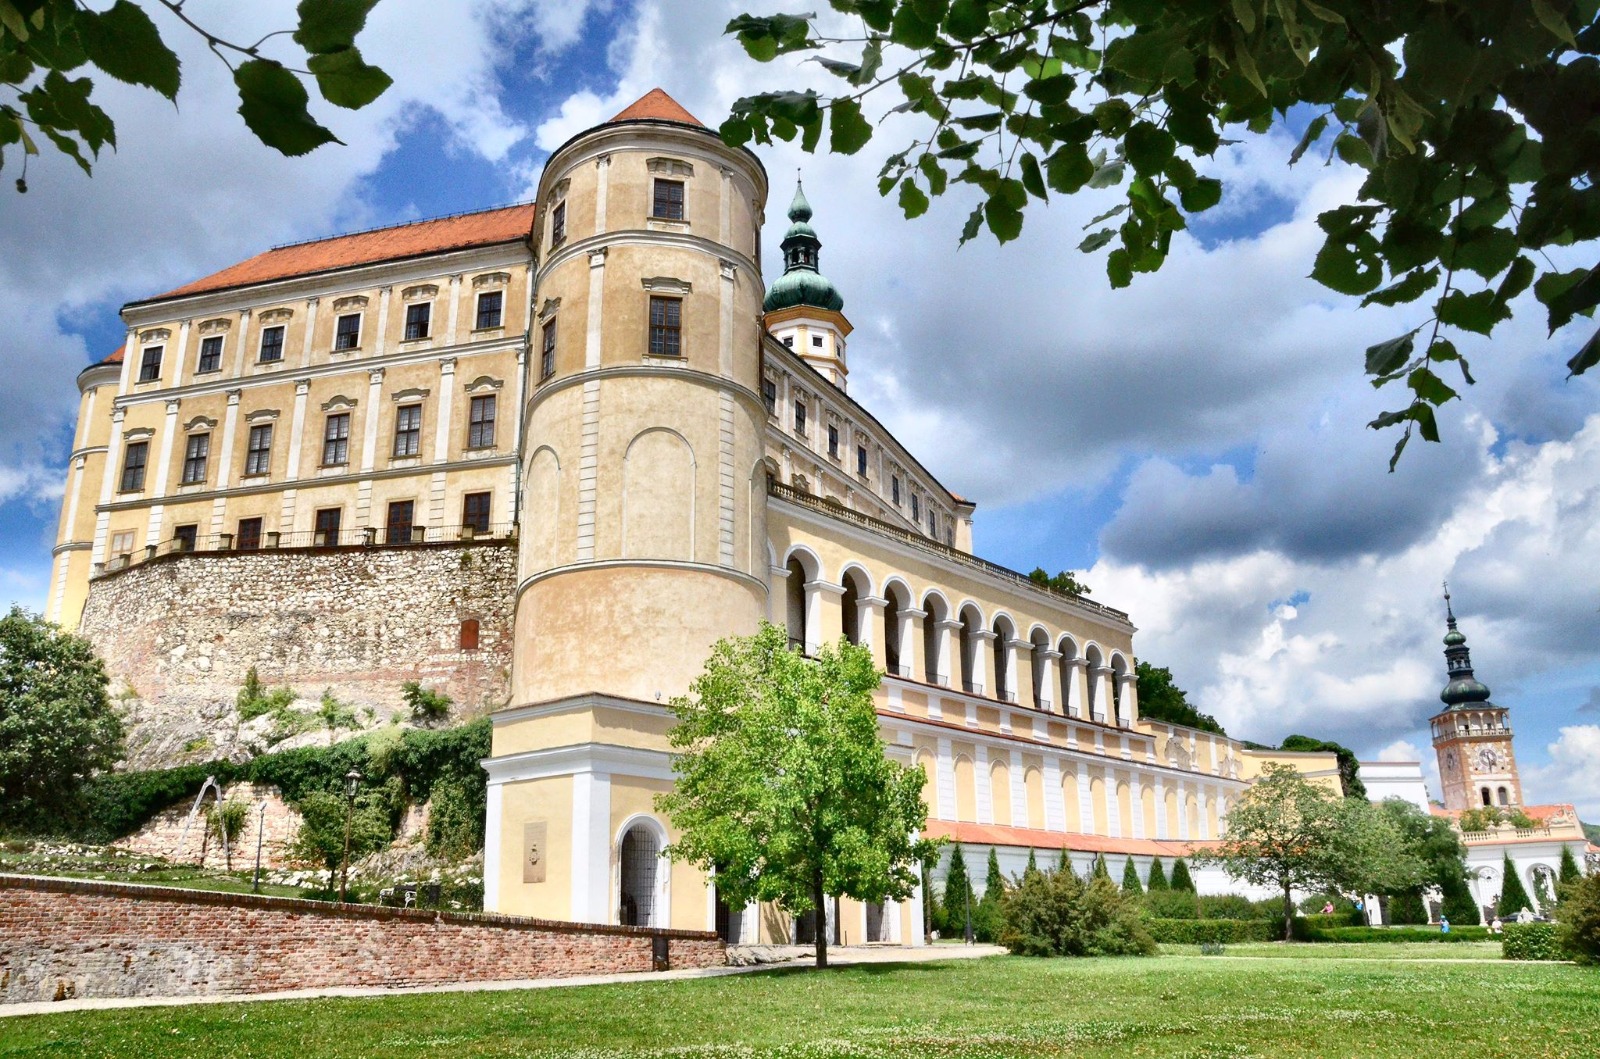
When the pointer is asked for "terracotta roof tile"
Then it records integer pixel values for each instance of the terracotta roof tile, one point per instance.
(115, 358)
(656, 105)
(484, 228)
(999, 835)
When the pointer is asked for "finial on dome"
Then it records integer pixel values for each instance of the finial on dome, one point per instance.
(799, 209)
(1450, 615)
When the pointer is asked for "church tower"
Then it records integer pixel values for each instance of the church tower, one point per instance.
(803, 309)
(1477, 767)
(643, 507)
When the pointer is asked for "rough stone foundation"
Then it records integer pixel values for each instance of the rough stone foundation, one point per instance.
(63, 938)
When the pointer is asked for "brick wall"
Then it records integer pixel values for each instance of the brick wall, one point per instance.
(63, 938)
(181, 631)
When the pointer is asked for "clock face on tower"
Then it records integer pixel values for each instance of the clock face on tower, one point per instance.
(1489, 760)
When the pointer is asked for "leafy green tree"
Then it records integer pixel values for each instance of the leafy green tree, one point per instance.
(986, 917)
(225, 823)
(1579, 919)
(1059, 914)
(1459, 112)
(1162, 700)
(783, 782)
(1437, 846)
(321, 836)
(1032, 865)
(1569, 872)
(427, 705)
(1158, 876)
(1180, 876)
(455, 826)
(1065, 582)
(1456, 902)
(57, 725)
(1349, 767)
(1100, 870)
(1130, 878)
(959, 899)
(1063, 861)
(1513, 895)
(1406, 908)
(43, 41)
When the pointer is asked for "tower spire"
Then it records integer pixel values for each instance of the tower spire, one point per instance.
(1464, 689)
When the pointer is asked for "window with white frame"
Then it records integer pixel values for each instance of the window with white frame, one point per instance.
(210, 355)
(418, 317)
(258, 452)
(195, 455)
(490, 303)
(150, 364)
(271, 344)
(347, 332)
(336, 440)
(408, 430)
(480, 422)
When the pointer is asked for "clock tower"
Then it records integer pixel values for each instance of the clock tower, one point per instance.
(1477, 767)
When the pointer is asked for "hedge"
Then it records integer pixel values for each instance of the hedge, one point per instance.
(1201, 931)
(1398, 934)
(1531, 941)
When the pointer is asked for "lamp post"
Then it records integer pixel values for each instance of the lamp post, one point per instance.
(261, 822)
(352, 785)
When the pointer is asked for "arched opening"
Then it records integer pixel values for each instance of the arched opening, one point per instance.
(935, 665)
(1041, 688)
(1503, 795)
(1119, 669)
(966, 790)
(855, 589)
(1069, 670)
(639, 859)
(1004, 633)
(1486, 799)
(971, 622)
(1094, 661)
(897, 601)
(794, 593)
(1000, 793)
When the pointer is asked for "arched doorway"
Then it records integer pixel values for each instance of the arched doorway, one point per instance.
(639, 878)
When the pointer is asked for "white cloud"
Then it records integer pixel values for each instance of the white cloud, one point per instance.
(1573, 774)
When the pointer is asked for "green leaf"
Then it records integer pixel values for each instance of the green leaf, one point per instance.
(1049, 90)
(330, 25)
(1108, 175)
(1585, 358)
(1205, 193)
(1386, 358)
(1314, 131)
(1119, 268)
(1472, 312)
(69, 147)
(1032, 177)
(1149, 147)
(933, 172)
(272, 102)
(1069, 168)
(124, 43)
(764, 39)
(1574, 293)
(969, 231)
(345, 80)
(1245, 12)
(1340, 268)
(1428, 386)
(1004, 218)
(1097, 240)
(967, 19)
(1408, 289)
(1555, 21)
(848, 131)
(913, 203)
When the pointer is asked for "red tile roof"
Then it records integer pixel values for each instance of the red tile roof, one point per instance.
(998, 835)
(656, 105)
(485, 228)
(115, 358)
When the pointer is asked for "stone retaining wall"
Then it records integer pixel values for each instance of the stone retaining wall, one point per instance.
(62, 938)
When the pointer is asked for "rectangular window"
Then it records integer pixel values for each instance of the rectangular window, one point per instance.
(397, 528)
(150, 364)
(210, 354)
(800, 418)
(408, 430)
(326, 533)
(894, 489)
(816, 341)
(861, 460)
(417, 318)
(769, 394)
(547, 352)
(475, 512)
(558, 225)
(833, 441)
(788, 342)
(122, 542)
(347, 332)
(666, 327)
(249, 536)
(933, 522)
(133, 462)
(668, 201)
(916, 508)
(271, 344)
(195, 454)
(489, 303)
(258, 453)
(336, 440)
(480, 422)
(184, 537)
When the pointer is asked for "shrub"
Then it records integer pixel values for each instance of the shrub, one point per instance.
(255, 699)
(1569, 869)
(1579, 917)
(1407, 908)
(958, 896)
(225, 823)
(1100, 871)
(1158, 876)
(1531, 941)
(1458, 904)
(1130, 878)
(454, 830)
(986, 918)
(1235, 906)
(335, 714)
(1513, 896)
(1059, 914)
(1180, 876)
(1211, 931)
(1171, 904)
(427, 706)
(1381, 935)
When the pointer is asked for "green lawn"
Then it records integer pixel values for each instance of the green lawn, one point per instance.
(1168, 1006)
(1403, 950)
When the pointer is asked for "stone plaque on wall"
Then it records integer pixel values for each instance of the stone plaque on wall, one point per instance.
(534, 851)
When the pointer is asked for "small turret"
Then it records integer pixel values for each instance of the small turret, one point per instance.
(803, 310)
(1464, 690)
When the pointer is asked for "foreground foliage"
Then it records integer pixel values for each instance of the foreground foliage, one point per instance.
(1296, 1006)
(1579, 917)
(1058, 914)
(1469, 118)
(1160, 699)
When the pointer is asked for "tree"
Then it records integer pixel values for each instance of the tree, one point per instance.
(1130, 878)
(1063, 861)
(1059, 914)
(1441, 860)
(427, 706)
(1349, 767)
(1031, 866)
(958, 896)
(321, 838)
(1162, 700)
(57, 725)
(1457, 903)
(1579, 919)
(1569, 872)
(1513, 895)
(1406, 908)
(1100, 871)
(1460, 112)
(225, 823)
(1180, 876)
(1065, 582)
(784, 786)
(986, 918)
(1158, 876)
(42, 41)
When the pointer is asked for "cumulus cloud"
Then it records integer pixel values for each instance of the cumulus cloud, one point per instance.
(1573, 774)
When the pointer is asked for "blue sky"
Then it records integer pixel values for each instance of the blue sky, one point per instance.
(1193, 446)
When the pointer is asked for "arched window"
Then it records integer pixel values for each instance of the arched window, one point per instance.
(935, 665)
(1069, 676)
(1094, 660)
(1503, 795)
(896, 602)
(1004, 633)
(850, 605)
(971, 622)
(1040, 641)
(794, 591)
(1119, 669)
(640, 863)
(1486, 799)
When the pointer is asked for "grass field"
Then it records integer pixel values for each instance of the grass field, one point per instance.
(1168, 1006)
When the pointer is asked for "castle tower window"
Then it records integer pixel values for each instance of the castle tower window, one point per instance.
(210, 355)
(336, 440)
(816, 341)
(417, 320)
(195, 455)
(861, 460)
(489, 309)
(558, 225)
(667, 204)
(916, 513)
(249, 538)
(788, 341)
(800, 418)
(475, 512)
(894, 489)
(480, 422)
(769, 394)
(408, 430)
(150, 364)
(397, 527)
(347, 333)
(326, 534)
(133, 465)
(122, 543)
(666, 325)
(271, 344)
(184, 537)
(258, 453)
(833, 441)
(636, 904)
(547, 353)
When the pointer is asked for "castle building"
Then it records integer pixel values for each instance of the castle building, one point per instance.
(548, 455)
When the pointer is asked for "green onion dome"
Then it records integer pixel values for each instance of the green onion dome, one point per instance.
(801, 283)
